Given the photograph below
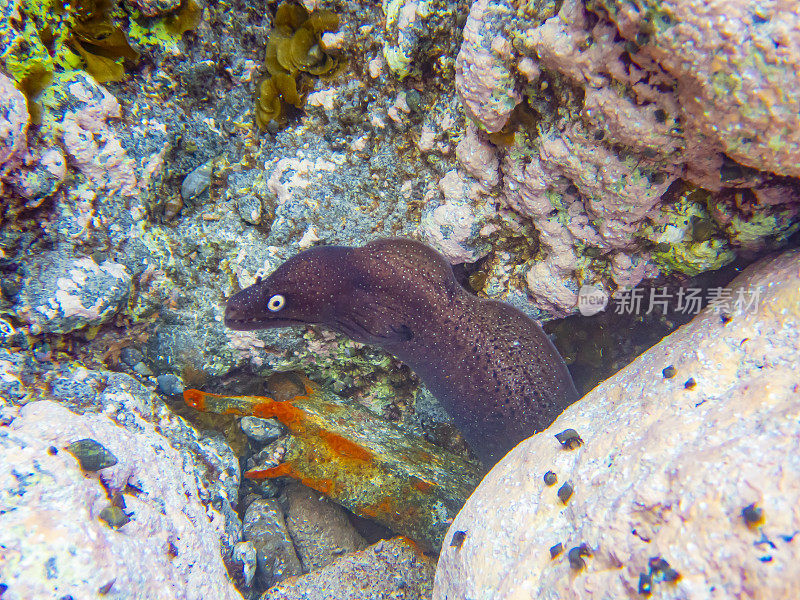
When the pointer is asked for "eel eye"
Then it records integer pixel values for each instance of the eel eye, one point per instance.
(276, 303)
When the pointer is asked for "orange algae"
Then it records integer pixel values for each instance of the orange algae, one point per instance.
(322, 485)
(384, 507)
(344, 447)
(195, 399)
(287, 414)
(421, 484)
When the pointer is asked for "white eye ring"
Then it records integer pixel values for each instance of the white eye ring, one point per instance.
(276, 303)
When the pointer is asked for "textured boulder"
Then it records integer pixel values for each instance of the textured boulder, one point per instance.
(62, 293)
(688, 480)
(265, 527)
(737, 67)
(13, 124)
(320, 529)
(134, 529)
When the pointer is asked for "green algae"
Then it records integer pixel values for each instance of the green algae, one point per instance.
(752, 230)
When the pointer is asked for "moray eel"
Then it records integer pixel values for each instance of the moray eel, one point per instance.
(493, 369)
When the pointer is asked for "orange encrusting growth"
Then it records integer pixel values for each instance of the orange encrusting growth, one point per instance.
(195, 399)
(323, 486)
(386, 507)
(421, 484)
(344, 447)
(345, 453)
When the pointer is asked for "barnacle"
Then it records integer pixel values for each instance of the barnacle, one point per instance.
(294, 53)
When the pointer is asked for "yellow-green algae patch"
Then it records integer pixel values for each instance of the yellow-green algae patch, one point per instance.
(686, 239)
(41, 37)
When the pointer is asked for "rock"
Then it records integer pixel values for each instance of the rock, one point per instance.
(207, 460)
(197, 181)
(320, 529)
(53, 516)
(40, 176)
(250, 208)
(131, 356)
(733, 85)
(265, 527)
(91, 455)
(419, 33)
(262, 431)
(63, 294)
(364, 463)
(393, 568)
(13, 125)
(483, 80)
(245, 556)
(170, 384)
(598, 84)
(687, 480)
(77, 112)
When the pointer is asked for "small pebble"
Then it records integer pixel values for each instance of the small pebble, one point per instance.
(170, 384)
(131, 356)
(250, 208)
(550, 478)
(142, 369)
(690, 383)
(556, 550)
(114, 516)
(669, 372)
(263, 431)
(197, 181)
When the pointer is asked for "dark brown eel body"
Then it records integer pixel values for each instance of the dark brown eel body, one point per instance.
(492, 368)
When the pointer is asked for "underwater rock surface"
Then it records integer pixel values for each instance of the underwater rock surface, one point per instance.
(687, 478)
(161, 462)
(637, 138)
(393, 568)
(360, 461)
(56, 536)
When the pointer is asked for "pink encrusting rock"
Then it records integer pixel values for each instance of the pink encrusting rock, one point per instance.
(687, 482)
(13, 125)
(77, 111)
(483, 79)
(55, 541)
(737, 68)
(616, 113)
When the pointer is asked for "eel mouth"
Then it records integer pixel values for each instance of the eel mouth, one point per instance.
(252, 323)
